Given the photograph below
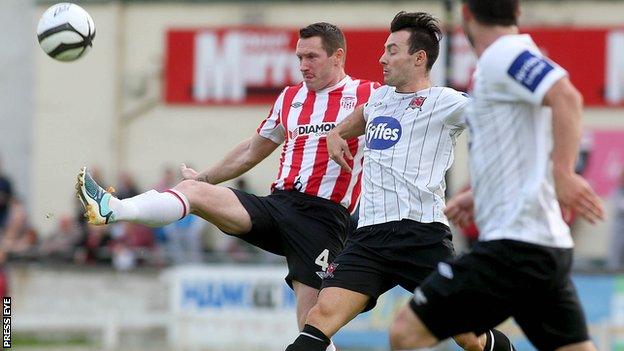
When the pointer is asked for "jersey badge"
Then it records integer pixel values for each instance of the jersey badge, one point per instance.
(329, 272)
(347, 102)
(417, 102)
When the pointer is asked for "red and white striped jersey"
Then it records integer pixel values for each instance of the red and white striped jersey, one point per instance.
(301, 119)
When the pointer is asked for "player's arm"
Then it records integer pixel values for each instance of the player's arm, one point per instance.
(460, 209)
(239, 160)
(572, 190)
(352, 126)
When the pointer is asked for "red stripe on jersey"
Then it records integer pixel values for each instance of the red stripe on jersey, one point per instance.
(265, 120)
(364, 92)
(298, 148)
(344, 179)
(289, 96)
(281, 166)
(322, 156)
(355, 194)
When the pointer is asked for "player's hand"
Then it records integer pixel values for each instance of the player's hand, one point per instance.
(338, 150)
(573, 192)
(188, 173)
(460, 209)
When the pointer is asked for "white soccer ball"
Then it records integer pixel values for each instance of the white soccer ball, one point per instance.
(66, 31)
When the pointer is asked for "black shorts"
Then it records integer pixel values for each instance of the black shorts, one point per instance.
(501, 279)
(381, 256)
(309, 231)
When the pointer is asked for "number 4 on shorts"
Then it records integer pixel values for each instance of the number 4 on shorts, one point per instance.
(323, 259)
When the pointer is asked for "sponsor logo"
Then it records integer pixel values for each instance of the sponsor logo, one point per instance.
(296, 104)
(529, 70)
(377, 104)
(317, 130)
(223, 61)
(382, 132)
(348, 102)
(329, 272)
(417, 102)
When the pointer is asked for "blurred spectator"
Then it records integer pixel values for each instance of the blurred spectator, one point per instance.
(167, 181)
(62, 243)
(184, 240)
(616, 247)
(19, 239)
(127, 186)
(132, 244)
(6, 194)
(94, 245)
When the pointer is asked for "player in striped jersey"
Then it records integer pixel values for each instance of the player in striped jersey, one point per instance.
(522, 158)
(306, 218)
(410, 128)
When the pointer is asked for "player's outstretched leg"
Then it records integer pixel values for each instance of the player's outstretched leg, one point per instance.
(150, 208)
(409, 332)
(216, 204)
(334, 308)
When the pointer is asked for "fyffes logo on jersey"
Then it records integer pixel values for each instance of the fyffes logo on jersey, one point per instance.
(382, 133)
(317, 130)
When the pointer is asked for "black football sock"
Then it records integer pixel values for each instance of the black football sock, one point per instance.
(310, 339)
(497, 341)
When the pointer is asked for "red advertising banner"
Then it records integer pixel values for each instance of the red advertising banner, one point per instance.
(250, 65)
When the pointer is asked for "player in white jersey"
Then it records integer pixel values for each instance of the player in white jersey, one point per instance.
(525, 131)
(410, 129)
(306, 218)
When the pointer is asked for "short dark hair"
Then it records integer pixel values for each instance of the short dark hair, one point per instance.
(495, 12)
(425, 33)
(331, 36)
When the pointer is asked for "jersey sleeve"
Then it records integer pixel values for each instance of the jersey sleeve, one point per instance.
(524, 73)
(375, 97)
(454, 104)
(271, 127)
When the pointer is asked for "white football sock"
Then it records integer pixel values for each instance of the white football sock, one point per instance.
(152, 208)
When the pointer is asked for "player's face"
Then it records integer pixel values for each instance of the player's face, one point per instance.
(319, 70)
(397, 63)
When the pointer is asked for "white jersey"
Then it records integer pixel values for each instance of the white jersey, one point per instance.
(511, 142)
(408, 149)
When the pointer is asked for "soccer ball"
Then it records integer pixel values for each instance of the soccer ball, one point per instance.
(66, 31)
